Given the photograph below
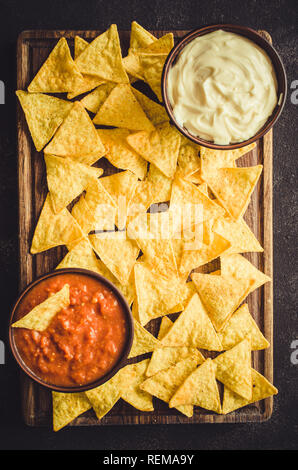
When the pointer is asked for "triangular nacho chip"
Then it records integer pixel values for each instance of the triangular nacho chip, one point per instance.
(220, 295)
(41, 316)
(140, 37)
(120, 154)
(117, 252)
(238, 327)
(163, 358)
(59, 72)
(164, 183)
(240, 268)
(67, 407)
(103, 58)
(160, 147)
(199, 389)
(156, 294)
(77, 138)
(261, 388)
(154, 111)
(188, 159)
(238, 234)
(70, 175)
(104, 397)
(44, 114)
(152, 66)
(122, 109)
(143, 341)
(94, 100)
(233, 187)
(233, 368)
(193, 328)
(133, 375)
(80, 45)
(54, 229)
(164, 384)
(213, 159)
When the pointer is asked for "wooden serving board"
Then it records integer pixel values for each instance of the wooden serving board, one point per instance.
(33, 48)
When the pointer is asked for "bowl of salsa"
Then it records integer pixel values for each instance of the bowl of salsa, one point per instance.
(71, 330)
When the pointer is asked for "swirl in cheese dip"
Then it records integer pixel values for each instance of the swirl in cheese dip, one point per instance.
(222, 87)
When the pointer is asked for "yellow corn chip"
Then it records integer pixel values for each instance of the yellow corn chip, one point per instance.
(67, 407)
(104, 397)
(154, 111)
(238, 327)
(77, 138)
(143, 341)
(152, 66)
(120, 154)
(44, 114)
(261, 388)
(117, 252)
(156, 177)
(139, 36)
(238, 234)
(165, 383)
(84, 216)
(194, 258)
(214, 159)
(187, 291)
(59, 72)
(193, 328)
(156, 294)
(54, 229)
(199, 388)
(80, 45)
(233, 187)
(233, 368)
(195, 177)
(188, 159)
(163, 358)
(160, 147)
(103, 58)
(67, 179)
(41, 316)
(97, 211)
(94, 100)
(133, 375)
(145, 195)
(240, 268)
(122, 109)
(220, 295)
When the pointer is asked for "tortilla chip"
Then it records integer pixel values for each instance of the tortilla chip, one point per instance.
(98, 211)
(240, 268)
(67, 179)
(163, 358)
(139, 36)
(133, 375)
(194, 258)
(193, 328)
(143, 341)
(165, 383)
(199, 389)
(132, 66)
(103, 58)
(195, 177)
(120, 154)
(44, 114)
(233, 368)
(154, 111)
(54, 229)
(238, 327)
(160, 147)
(233, 187)
(67, 407)
(80, 45)
(220, 295)
(187, 291)
(214, 159)
(156, 177)
(41, 316)
(145, 195)
(122, 109)
(152, 66)
(238, 234)
(156, 294)
(188, 159)
(77, 138)
(94, 100)
(59, 73)
(261, 388)
(104, 397)
(117, 252)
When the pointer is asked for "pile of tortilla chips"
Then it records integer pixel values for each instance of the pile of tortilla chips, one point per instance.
(105, 222)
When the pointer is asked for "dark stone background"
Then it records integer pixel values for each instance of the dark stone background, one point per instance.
(280, 19)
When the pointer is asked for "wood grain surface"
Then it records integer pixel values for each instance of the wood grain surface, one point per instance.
(32, 49)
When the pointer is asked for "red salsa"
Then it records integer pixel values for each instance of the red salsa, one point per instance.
(83, 341)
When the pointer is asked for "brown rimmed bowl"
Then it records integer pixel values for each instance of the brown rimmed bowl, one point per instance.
(122, 358)
(255, 37)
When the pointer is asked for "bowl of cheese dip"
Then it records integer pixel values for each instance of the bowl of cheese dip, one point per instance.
(224, 86)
